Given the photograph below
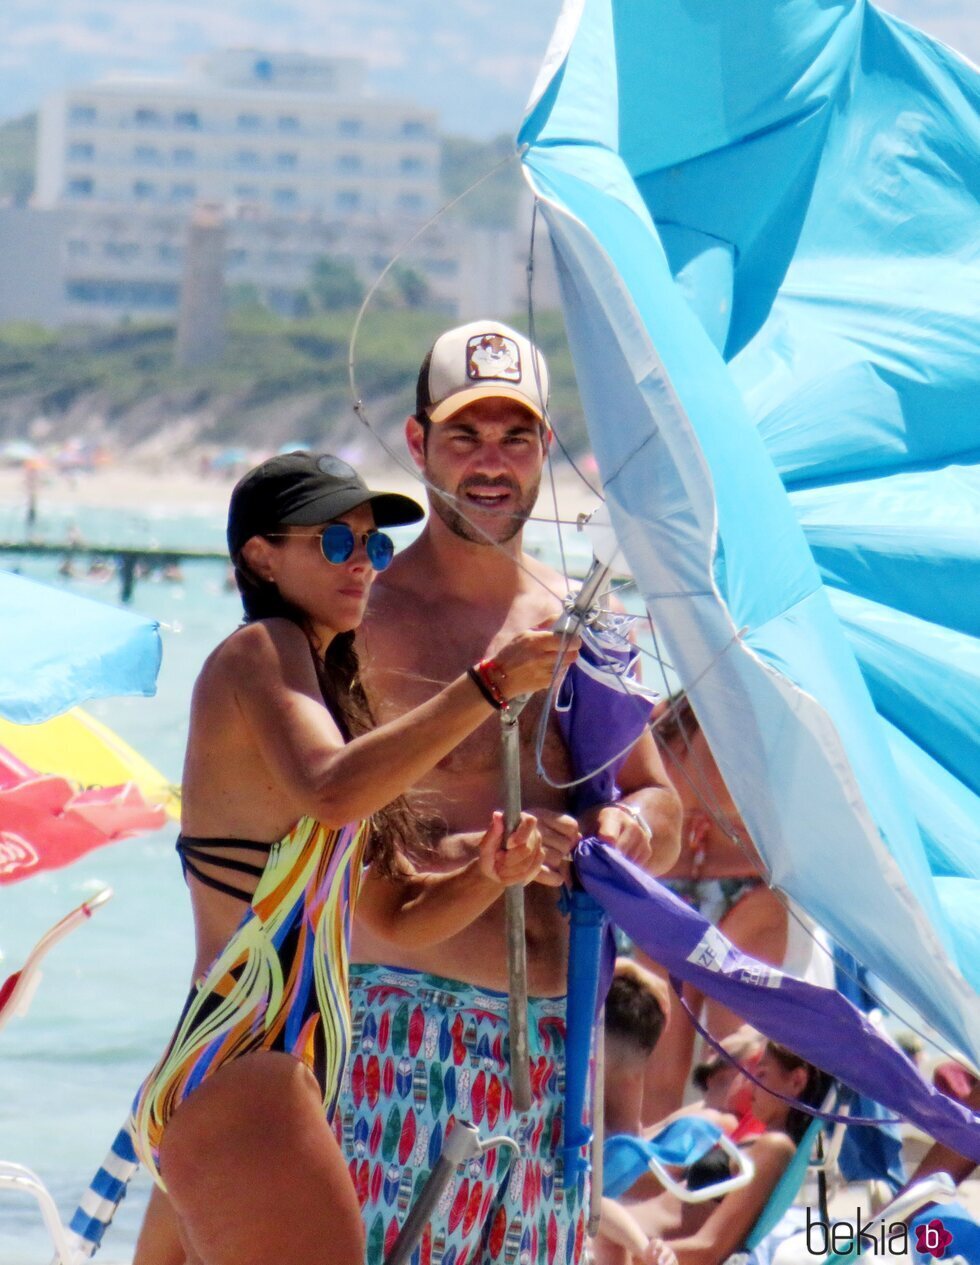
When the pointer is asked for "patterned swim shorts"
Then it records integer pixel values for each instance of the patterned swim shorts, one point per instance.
(427, 1052)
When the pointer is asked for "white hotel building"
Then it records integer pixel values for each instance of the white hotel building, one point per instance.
(300, 159)
(285, 134)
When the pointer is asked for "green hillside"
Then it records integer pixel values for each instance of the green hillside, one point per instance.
(279, 380)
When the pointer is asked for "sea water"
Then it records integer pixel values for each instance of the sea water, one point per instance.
(112, 991)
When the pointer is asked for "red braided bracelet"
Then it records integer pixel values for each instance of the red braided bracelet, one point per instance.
(483, 670)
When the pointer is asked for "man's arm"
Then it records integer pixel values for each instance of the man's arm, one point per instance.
(646, 789)
(941, 1159)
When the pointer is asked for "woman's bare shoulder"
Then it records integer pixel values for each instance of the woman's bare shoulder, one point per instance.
(260, 655)
(253, 644)
(772, 1150)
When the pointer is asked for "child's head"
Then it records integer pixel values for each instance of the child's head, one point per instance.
(636, 1011)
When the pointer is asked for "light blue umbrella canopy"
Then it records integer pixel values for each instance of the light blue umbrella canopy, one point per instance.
(57, 650)
(765, 218)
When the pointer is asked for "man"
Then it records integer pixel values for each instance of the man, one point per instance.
(637, 1006)
(431, 1023)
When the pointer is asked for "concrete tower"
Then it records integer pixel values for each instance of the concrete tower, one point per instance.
(201, 319)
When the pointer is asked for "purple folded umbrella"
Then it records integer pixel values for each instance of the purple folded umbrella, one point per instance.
(818, 1024)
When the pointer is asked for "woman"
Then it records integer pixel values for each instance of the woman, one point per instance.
(287, 790)
(664, 1231)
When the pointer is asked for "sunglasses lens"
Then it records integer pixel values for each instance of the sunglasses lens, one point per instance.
(337, 542)
(380, 550)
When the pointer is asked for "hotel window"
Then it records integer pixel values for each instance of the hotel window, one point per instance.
(349, 127)
(187, 118)
(146, 154)
(349, 162)
(82, 114)
(248, 122)
(414, 127)
(287, 162)
(287, 123)
(408, 166)
(183, 157)
(80, 151)
(348, 200)
(183, 192)
(246, 158)
(146, 117)
(143, 189)
(285, 197)
(409, 202)
(81, 187)
(247, 192)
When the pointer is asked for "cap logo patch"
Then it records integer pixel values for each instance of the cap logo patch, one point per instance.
(493, 356)
(334, 466)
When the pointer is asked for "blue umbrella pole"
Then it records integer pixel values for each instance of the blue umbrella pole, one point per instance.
(585, 941)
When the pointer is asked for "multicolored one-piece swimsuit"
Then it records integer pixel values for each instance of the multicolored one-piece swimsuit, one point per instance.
(281, 981)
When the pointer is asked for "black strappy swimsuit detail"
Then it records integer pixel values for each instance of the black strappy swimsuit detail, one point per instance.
(192, 850)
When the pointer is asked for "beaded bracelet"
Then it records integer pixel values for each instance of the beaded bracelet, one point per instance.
(480, 675)
(481, 685)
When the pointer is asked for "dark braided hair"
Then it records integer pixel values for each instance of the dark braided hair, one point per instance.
(338, 675)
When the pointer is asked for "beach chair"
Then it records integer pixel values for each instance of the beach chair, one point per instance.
(813, 1155)
(16, 994)
(779, 1239)
(678, 1145)
(796, 1250)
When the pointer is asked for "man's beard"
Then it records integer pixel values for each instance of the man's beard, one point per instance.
(501, 527)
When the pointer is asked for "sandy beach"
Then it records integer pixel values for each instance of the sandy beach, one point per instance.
(131, 486)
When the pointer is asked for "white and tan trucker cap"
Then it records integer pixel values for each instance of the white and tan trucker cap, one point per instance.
(482, 360)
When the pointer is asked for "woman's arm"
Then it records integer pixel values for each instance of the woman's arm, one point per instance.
(272, 674)
(416, 910)
(730, 1221)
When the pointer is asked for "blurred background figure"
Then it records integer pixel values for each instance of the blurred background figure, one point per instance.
(720, 874)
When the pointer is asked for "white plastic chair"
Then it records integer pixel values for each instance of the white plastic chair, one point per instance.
(16, 994)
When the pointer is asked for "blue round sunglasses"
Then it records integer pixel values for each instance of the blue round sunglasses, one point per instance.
(337, 542)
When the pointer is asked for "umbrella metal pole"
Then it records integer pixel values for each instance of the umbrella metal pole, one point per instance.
(520, 1050)
(462, 1145)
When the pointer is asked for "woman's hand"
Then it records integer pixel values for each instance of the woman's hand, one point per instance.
(516, 861)
(531, 661)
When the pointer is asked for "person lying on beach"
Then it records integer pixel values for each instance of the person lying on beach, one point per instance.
(663, 1230)
(721, 875)
(288, 789)
(727, 1093)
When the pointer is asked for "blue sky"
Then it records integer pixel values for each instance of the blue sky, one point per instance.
(473, 61)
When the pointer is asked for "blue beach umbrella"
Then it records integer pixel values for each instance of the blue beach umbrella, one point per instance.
(764, 220)
(57, 650)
